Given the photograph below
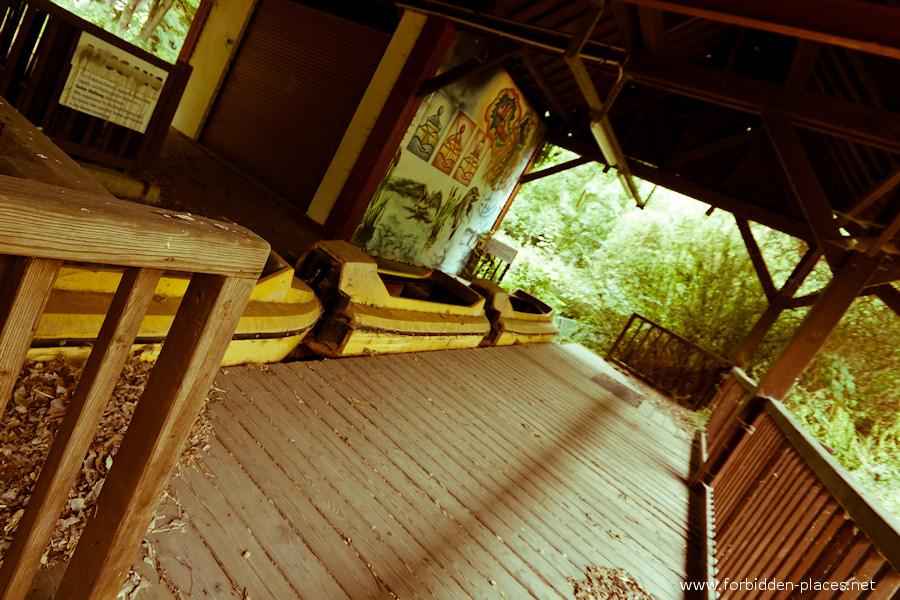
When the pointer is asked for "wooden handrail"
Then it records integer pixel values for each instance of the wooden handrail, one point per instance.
(48, 221)
(785, 510)
(62, 214)
(870, 516)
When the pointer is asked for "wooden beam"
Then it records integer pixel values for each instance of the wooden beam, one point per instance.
(569, 164)
(43, 220)
(723, 201)
(486, 60)
(624, 15)
(672, 181)
(807, 300)
(586, 26)
(876, 193)
(886, 235)
(776, 306)
(805, 57)
(889, 295)
(193, 34)
(545, 39)
(839, 118)
(541, 82)
(691, 136)
(853, 24)
(818, 324)
(653, 29)
(676, 160)
(389, 129)
(805, 185)
(759, 264)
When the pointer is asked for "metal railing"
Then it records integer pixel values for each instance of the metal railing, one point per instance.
(74, 219)
(788, 517)
(669, 362)
(38, 42)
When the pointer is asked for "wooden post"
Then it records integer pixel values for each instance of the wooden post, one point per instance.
(76, 432)
(22, 303)
(819, 323)
(389, 129)
(178, 385)
(777, 304)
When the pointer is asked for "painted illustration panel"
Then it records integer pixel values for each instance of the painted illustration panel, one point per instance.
(472, 157)
(453, 144)
(452, 174)
(432, 127)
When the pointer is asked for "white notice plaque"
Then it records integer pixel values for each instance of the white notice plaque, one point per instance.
(111, 84)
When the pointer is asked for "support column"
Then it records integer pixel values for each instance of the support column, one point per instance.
(384, 140)
(824, 316)
(776, 306)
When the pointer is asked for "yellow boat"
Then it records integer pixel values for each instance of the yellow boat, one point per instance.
(517, 318)
(281, 310)
(378, 306)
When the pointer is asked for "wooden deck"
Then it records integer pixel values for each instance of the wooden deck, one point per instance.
(486, 473)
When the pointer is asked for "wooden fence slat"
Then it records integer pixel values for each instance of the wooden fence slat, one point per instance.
(21, 304)
(159, 428)
(786, 510)
(76, 431)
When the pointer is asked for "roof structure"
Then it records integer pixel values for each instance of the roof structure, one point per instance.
(783, 113)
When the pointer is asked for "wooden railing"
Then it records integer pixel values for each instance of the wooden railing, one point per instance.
(671, 363)
(730, 407)
(74, 219)
(787, 515)
(38, 41)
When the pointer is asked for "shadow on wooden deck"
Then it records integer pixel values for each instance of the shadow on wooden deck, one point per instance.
(486, 473)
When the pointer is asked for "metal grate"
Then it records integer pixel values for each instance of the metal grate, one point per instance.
(618, 389)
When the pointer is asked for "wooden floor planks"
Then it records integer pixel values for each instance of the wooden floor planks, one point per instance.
(485, 473)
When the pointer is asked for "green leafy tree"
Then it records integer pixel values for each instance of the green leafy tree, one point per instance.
(589, 252)
(158, 26)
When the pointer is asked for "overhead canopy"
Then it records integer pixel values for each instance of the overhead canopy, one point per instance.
(785, 113)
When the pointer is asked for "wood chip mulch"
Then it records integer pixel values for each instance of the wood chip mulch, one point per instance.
(602, 583)
(27, 429)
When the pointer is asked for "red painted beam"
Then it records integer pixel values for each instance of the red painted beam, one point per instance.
(386, 135)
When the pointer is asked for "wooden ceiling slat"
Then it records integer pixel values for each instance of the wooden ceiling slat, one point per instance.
(877, 192)
(712, 147)
(864, 124)
(805, 58)
(853, 24)
(865, 78)
(546, 89)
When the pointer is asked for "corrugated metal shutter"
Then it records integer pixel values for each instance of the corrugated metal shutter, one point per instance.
(291, 92)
